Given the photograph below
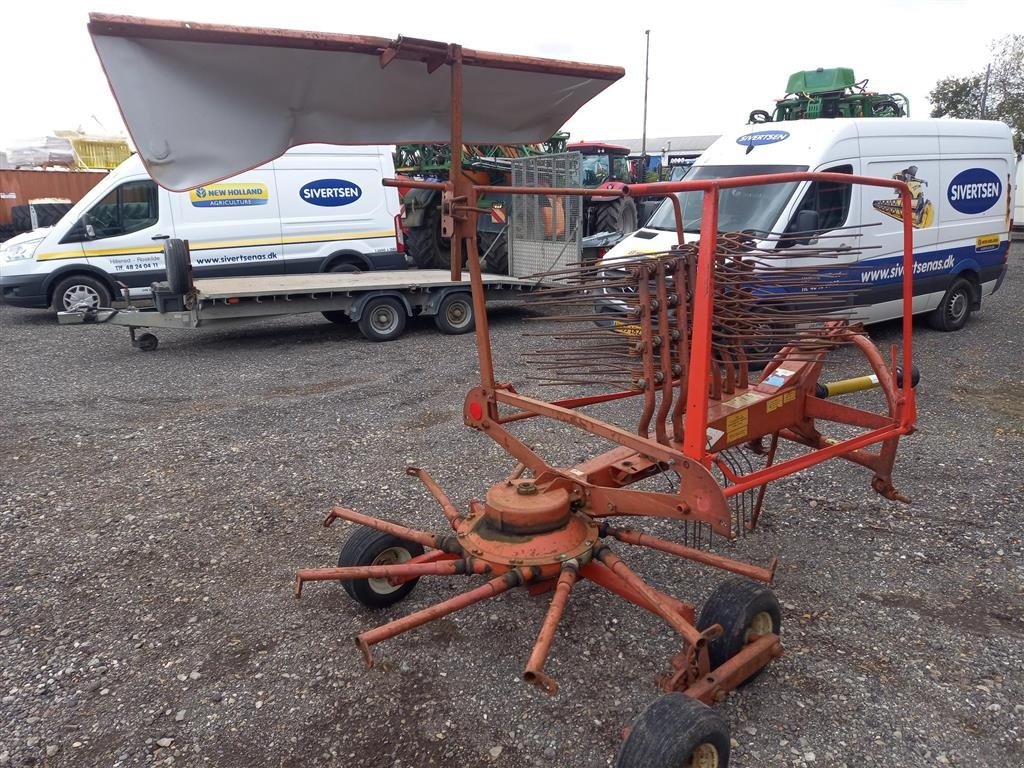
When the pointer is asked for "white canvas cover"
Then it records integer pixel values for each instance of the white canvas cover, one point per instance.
(204, 102)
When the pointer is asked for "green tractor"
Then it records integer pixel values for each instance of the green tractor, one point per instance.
(489, 164)
(827, 93)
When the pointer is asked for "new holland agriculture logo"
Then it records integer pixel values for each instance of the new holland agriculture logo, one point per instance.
(760, 138)
(229, 195)
(330, 192)
(974, 190)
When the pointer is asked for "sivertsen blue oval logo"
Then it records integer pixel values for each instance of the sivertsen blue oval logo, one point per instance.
(330, 192)
(974, 190)
(760, 138)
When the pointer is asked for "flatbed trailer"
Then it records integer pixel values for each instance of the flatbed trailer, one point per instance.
(379, 302)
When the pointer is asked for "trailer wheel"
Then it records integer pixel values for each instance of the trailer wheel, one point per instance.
(455, 314)
(676, 731)
(176, 262)
(146, 342)
(78, 290)
(368, 546)
(745, 610)
(955, 307)
(382, 319)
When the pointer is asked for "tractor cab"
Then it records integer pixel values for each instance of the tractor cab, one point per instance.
(602, 163)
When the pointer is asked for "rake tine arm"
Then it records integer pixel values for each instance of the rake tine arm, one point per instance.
(435, 490)
(662, 608)
(606, 578)
(533, 673)
(492, 588)
(404, 571)
(638, 539)
(432, 540)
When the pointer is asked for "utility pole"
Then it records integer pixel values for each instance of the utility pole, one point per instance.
(643, 141)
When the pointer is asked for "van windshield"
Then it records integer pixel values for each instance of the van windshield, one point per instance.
(742, 208)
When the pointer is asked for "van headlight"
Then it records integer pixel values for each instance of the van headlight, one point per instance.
(19, 252)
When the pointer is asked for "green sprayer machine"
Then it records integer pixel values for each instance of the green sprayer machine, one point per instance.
(825, 93)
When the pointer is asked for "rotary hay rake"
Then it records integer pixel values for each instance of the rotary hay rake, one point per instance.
(680, 332)
(683, 332)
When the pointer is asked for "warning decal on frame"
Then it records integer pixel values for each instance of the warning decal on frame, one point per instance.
(736, 426)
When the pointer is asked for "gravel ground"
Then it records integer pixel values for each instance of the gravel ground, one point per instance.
(154, 508)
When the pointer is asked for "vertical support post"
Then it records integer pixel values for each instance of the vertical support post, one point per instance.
(483, 331)
(456, 179)
(700, 350)
(908, 409)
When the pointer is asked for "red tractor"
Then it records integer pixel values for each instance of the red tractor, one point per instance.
(606, 166)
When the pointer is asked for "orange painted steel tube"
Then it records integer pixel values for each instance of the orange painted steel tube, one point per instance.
(409, 534)
(398, 570)
(604, 577)
(661, 608)
(419, 618)
(639, 539)
(733, 672)
(533, 673)
(435, 490)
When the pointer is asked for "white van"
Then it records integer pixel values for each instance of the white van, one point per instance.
(318, 208)
(961, 174)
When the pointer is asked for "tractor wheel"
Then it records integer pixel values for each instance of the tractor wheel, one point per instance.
(495, 246)
(368, 546)
(955, 307)
(619, 215)
(426, 246)
(744, 609)
(676, 731)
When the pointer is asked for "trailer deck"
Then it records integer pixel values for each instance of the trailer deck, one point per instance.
(379, 302)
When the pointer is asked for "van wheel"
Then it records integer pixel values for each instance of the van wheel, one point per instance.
(345, 266)
(955, 307)
(455, 314)
(80, 290)
(382, 319)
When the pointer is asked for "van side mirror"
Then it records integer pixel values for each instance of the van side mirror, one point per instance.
(806, 226)
(79, 232)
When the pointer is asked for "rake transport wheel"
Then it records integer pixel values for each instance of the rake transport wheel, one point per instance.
(745, 610)
(676, 731)
(371, 547)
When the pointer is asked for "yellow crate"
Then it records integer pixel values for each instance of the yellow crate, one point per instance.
(97, 152)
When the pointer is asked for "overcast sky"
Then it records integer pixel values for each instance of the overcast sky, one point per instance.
(710, 62)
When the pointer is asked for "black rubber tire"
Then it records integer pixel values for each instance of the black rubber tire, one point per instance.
(455, 314)
(426, 246)
(382, 319)
(368, 546)
(669, 730)
(493, 249)
(955, 308)
(146, 342)
(91, 289)
(735, 604)
(759, 116)
(178, 266)
(618, 215)
(344, 266)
